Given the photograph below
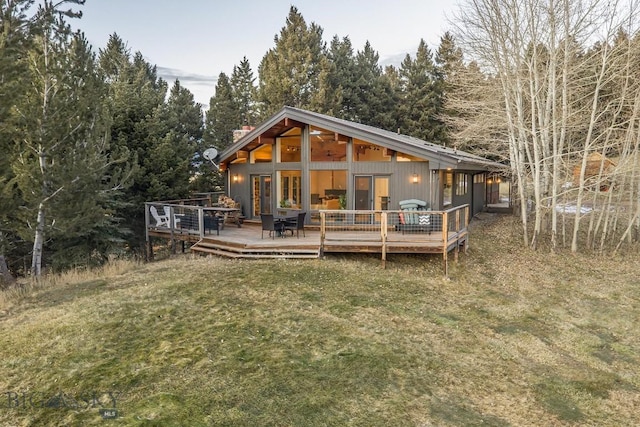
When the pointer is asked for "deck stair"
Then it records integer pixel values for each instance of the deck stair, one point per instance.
(243, 251)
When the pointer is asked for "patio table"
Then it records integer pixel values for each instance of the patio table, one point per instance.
(283, 221)
(232, 214)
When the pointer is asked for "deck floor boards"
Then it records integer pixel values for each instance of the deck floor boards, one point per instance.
(247, 239)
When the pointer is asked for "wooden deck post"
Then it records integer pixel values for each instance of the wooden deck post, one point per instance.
(457, 248)
(323, 232)
(201, 221)
(149, 254)
(466, 237)
(445, 241)
(383, 236)
(172, 225)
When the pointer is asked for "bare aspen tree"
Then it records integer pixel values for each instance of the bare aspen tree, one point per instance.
(568, 96)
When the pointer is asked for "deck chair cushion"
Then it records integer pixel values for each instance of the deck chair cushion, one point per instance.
(417, 202)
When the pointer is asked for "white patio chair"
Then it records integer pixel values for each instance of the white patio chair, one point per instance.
(161, 220)
(176, 217)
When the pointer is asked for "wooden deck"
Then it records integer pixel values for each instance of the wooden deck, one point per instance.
(338, 232)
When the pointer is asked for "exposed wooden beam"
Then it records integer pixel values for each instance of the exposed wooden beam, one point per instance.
(266, 140)
(290, 123)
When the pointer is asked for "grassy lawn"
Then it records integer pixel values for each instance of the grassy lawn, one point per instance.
(513, 337)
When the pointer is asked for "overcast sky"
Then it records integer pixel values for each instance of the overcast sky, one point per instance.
(196, 40)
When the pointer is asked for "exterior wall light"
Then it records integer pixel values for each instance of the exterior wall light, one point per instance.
(235, 177)
(415, 178)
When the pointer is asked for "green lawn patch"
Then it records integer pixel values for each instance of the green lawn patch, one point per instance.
(206, 341)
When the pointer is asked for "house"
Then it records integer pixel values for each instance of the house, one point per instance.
(310, 161)
(598, 168)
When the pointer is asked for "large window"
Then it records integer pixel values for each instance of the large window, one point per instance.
(367, 152)
(328, 189)
(462, 184)
(402, 157)
(289, 146)
(262, 154)
(289, 189)
(326, 146)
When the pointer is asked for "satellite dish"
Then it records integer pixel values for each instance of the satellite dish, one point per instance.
(210, 154)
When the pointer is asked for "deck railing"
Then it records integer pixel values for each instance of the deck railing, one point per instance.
(434, 231)
(443, 230)
(188, 218)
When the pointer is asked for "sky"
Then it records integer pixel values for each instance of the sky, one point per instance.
(196, 40)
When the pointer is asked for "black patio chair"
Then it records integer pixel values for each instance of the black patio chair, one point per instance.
(297, 225)
(271, 225)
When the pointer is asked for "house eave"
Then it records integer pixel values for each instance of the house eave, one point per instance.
(446, 157)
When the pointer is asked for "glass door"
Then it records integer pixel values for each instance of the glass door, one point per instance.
(371, 193)
(261, 195)
(363, 193)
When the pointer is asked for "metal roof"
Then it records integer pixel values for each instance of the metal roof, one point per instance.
(445, 157)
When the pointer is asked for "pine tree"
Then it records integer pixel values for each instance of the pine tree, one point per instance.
(376, 101)
(342, 81)
(14, 40)
(175, 132)
(295, 71)
(134, 96)
(421, 103)
(449, 67)
(60, 153)
(244, 93)
(223, 116)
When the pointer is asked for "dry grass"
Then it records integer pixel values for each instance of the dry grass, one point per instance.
(513, 337)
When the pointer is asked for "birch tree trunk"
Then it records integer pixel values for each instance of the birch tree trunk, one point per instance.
(566, 94)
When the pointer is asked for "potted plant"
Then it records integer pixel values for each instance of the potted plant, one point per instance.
(342, 200)
(284, 203)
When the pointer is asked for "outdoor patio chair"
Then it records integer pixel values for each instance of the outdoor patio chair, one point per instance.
(161, 220)
(413, 219)
(271, 225)
(176, 217)
(297, 225)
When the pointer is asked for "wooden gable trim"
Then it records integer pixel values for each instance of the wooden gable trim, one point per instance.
(290, 123)
(263, 140)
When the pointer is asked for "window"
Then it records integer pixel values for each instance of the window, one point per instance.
(328, 189)
(262, 154)
(448, 186)
(462, 184)
(326, 146)
(402, 157)
(289, 190)
(367, 152)
(289, 146)
(478, 178)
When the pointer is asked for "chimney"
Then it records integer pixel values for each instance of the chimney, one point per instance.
(239, 133)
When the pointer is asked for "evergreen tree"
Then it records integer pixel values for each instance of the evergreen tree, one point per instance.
(135, 95)
(421, 99)
(244, 93)
(174, 132)
(14, 40)
(223, 116)
(342, 82)
(60, 153)
(376, 100)
(449, 68)
(295, 71)
(221, 119)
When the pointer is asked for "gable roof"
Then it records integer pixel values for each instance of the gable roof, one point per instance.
(289, 117)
